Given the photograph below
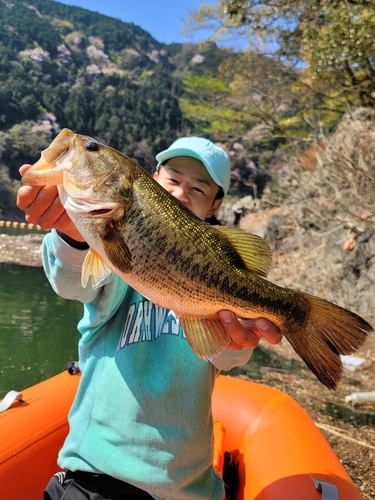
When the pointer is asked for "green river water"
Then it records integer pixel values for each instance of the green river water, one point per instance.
(38, 333)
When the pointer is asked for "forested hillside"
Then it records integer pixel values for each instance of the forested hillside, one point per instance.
(63, 66)
(67, 67)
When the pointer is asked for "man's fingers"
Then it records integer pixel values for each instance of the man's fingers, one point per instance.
(26, 196)
(263, 328)
(248, 332)
(229, 319)
(241, 336)
(41, 205)
(23, 169)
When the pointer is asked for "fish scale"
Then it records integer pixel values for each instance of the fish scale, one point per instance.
(136, 229)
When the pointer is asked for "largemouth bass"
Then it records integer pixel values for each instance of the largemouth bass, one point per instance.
(135, 228)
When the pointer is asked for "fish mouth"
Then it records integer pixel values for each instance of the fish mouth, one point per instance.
(86, 207)
(100, 211)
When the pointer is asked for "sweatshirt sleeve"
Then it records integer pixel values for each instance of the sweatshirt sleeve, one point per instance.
(63, 266)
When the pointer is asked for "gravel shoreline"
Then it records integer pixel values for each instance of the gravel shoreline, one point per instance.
(24, 250)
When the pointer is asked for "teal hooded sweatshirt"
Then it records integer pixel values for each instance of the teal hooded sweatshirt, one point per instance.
(142, 413)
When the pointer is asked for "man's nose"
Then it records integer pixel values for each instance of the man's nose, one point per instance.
(180, 193)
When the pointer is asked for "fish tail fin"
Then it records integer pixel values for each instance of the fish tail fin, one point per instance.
(326, 332)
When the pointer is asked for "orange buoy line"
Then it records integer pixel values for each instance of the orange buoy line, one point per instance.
(22, 225)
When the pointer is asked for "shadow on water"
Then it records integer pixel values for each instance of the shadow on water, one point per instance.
(350, 415)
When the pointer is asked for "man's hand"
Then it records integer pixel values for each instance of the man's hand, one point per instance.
(42, 206)
(248, 332)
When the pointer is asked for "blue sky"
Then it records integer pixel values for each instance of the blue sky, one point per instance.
(163, 19)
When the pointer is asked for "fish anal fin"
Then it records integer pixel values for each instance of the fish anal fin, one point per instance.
(94, 266)
(115, 248)
(254, 251)
(206, 336)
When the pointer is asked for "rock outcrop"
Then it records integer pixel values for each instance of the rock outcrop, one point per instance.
(323, 232)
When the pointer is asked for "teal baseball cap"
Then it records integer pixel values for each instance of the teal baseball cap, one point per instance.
(213, 157)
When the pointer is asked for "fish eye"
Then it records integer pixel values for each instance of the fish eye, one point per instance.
(92, 146)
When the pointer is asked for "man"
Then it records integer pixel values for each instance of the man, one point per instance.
(140, 425)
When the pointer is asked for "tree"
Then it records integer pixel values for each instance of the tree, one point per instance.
(21, 145)
(248, 91)
(8, 190)
(203, 103)
(249, 105)
(79, 109)
(331, 41)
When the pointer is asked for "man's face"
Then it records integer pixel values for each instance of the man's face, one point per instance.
(187, 179)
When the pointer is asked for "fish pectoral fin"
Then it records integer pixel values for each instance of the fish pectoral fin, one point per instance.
(254, 251)
(115, 248)
(94, 266)
(206, 336)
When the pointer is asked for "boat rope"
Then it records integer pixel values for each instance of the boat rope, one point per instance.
(332, 430)
(9, 399)
(329, 491)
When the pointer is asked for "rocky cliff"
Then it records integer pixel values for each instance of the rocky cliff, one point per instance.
(321, 223)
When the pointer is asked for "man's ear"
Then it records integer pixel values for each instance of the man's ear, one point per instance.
(215, 207)
(156, 175)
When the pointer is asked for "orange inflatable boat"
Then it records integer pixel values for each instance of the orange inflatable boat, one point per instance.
(265, 443)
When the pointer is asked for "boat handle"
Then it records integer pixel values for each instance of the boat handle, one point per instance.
(329, 491)
(9, 399)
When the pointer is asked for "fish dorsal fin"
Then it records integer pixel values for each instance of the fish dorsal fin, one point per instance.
(94, 266)
(206, 336)
(254, 251)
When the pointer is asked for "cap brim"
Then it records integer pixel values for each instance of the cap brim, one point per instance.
(168, 154)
